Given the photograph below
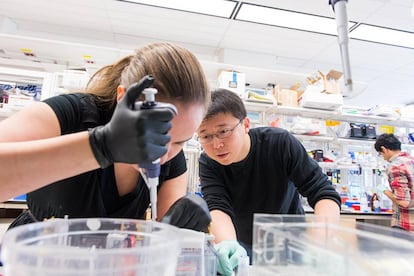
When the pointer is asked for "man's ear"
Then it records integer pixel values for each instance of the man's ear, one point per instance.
(246, 124)
(120, 92)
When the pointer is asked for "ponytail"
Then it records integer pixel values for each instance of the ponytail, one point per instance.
(105, 81)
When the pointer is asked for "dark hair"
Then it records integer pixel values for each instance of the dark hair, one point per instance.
(177, 72)
(388, 141)
(225, 101)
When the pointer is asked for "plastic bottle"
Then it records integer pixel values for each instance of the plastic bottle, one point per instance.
(243, 267)
(364, 203)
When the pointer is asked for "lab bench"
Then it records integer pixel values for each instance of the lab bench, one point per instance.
(377, 218)
(381, 218)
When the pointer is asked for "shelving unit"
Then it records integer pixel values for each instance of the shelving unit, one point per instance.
(19, 76)
(358, 175)
(255, 77)
(337, 115)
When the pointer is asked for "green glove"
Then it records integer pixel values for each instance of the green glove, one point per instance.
(228, 252)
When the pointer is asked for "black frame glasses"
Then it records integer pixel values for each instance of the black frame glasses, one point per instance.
(220, 134)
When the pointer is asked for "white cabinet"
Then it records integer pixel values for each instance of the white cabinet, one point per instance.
(17, 77)
(51, 84)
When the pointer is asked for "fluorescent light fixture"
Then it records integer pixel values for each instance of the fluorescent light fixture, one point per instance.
(221, 8)
(8, 83)
(383, 35)
(287, 19)
(62, 42)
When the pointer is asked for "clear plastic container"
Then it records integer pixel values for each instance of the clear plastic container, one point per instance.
(197, 257)
(310, 245)
(94, 246)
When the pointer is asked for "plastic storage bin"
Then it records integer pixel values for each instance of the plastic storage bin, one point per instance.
(308, 245)
(197, 257)
(92, 246)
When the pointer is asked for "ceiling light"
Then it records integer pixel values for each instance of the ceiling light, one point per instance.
(287, 19)
(383, 35)
(221, 8)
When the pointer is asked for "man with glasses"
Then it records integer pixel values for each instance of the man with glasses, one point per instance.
(245, 171)
(400, 174)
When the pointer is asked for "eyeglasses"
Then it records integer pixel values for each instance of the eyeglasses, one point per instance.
(221, 134)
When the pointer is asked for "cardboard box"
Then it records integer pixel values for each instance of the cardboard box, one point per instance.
(233, 81)
(288, 97)
(330, 82)
(327, 83)
(323, 92)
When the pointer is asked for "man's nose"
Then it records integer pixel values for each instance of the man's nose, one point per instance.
(217, 142)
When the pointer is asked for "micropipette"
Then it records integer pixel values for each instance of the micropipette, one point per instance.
(150, 171)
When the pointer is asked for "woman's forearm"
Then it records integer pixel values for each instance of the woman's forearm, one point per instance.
(27, 166)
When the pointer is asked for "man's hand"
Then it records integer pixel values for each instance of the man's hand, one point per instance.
(229, 252)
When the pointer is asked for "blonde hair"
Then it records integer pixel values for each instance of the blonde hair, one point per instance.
(177, 72)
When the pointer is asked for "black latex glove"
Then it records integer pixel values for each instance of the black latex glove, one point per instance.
(132, 136)
(190, 212)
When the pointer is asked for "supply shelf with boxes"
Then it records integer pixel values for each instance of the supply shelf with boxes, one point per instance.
(350, 162)
(340, 137)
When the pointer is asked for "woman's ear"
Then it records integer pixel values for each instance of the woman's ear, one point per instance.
(120, 92)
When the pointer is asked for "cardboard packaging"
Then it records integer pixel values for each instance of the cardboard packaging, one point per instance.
(330, 82)
(327, 83)
(323, 92)
(288, 97)
(233, 81)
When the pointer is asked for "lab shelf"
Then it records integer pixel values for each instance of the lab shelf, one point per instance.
(337, 115)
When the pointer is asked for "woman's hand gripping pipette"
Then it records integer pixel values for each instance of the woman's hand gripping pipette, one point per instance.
(150, 170)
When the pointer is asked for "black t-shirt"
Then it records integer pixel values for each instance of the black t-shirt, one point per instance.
(94, 193)
(269, 180)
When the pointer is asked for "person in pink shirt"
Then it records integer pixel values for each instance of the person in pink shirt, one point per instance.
(400, 174)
